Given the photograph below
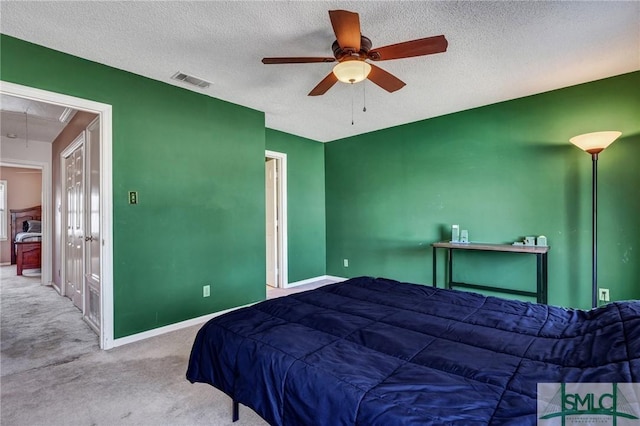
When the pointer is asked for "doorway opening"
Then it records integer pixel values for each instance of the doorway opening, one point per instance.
(276, 219)
(22, 191)
(105, 329)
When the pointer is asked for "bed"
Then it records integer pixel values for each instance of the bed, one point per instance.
(26, 238)
(373, 351)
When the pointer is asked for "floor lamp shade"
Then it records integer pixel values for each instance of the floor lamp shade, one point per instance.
(594, 143)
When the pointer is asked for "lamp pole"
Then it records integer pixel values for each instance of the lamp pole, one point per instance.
(594, 143)
(594, 230)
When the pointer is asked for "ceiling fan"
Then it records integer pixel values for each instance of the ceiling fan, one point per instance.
(351, 49)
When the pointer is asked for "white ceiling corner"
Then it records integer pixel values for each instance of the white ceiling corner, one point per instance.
(497, 51)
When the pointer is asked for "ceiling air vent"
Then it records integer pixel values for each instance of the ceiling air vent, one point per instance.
(195, 81)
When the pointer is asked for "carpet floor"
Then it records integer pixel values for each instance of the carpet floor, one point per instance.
(52, 371)
(273, 292)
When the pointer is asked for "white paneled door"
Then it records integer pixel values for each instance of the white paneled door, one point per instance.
(92, 271)
(74, 222)
(82, 239)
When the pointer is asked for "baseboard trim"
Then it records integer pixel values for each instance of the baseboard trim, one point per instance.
(314, 279)
(202, 319)
(171, 327)
(5, 264)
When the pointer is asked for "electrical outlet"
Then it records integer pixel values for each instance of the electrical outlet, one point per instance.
(346, 263)
(133, 197)
(604, 294)
(206, 291)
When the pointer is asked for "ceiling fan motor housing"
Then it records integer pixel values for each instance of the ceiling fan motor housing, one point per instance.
(341, 54)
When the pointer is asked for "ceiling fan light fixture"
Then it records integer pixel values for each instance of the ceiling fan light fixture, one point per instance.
(352, 71)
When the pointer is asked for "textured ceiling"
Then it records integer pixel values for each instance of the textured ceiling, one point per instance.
(497, 51)
(26, 120)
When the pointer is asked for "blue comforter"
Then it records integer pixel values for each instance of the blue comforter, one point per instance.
(379, 352)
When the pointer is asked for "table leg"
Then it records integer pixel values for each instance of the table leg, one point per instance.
(434, 268)
(541, 277)
(450, 267)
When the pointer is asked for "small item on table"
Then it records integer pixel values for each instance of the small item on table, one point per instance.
(455, 233)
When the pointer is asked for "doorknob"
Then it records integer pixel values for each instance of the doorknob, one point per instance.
(88, 238)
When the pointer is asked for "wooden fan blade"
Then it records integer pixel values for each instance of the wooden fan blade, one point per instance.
(326, 84)
(384, 79)
(408, 49)
(346, 26)
(300, 60)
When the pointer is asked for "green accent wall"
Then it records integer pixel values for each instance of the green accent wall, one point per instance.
(198, 166)
(305, 203)
(502, 171)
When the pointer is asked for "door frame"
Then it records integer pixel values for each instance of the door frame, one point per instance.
(281, 190)
(104, 111)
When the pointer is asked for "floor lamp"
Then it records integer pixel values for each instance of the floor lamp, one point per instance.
(594, 143)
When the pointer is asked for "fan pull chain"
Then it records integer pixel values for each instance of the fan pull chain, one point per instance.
(364, 92)
(352, 103)
(26, 128)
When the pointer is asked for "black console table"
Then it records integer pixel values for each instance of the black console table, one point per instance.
(541, 266)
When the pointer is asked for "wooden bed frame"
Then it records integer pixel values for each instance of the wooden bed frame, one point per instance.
(25, 255)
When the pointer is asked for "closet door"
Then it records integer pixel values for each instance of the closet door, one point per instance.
(74, 223)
